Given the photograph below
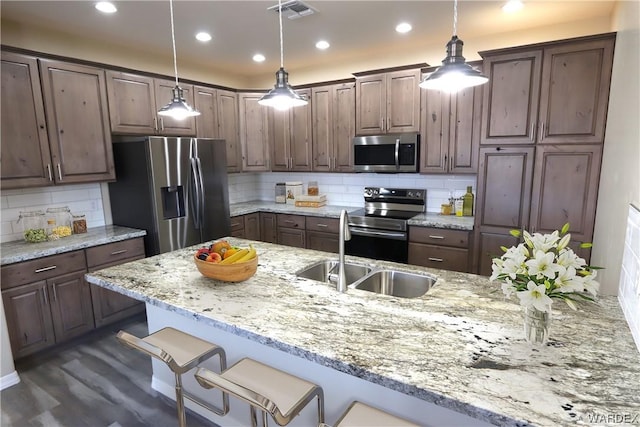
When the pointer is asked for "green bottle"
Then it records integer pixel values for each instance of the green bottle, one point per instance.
(467, 203)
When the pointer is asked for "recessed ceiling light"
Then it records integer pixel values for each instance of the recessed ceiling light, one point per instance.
(323, 44)
(403, 27)
(106, 7)
(258, 57)
(512, 6)
(203, 36)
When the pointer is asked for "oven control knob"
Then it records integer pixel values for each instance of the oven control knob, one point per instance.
(410, 193)
(418, 195)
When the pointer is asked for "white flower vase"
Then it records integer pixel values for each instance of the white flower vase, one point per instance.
(536, 325)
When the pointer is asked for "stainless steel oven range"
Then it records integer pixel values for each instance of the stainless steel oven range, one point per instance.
(379, 230)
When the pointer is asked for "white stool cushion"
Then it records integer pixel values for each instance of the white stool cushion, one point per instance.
(181, 346)
(361, 415)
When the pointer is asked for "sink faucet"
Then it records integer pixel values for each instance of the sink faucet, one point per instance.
(344, 234)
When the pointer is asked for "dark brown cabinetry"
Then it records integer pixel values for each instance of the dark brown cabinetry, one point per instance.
(450, 131)
(333, 127)
(291, 230)
(73, 143)
(246, 226)
(322, 233)
(388, 102)
(439, 248)
(290, 137)
(134, 101)
(219, 119)
(268, 227)
(254, 132)
(110, 306)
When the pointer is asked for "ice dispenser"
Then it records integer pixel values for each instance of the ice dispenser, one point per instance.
(172, 202)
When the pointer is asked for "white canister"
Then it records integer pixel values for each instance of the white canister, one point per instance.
(294, 188)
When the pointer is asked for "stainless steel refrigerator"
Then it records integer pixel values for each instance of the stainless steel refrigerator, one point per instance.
(174, 188)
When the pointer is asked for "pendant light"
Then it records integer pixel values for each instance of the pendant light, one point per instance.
(178, 107)
(455, 73)
(282, 96)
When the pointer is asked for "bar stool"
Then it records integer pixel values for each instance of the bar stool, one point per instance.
(181, 352)
(359, 414)
(263, 387)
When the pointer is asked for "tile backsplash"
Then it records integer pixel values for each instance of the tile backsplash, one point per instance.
(629, 287)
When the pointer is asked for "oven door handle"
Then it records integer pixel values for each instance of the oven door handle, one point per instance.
(383, 234)
(397, 153)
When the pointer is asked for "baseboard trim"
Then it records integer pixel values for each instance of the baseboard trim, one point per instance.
(8, 380)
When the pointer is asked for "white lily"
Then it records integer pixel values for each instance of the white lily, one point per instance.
(564, 241)
(544, 242)
(542, 265)
(590, 285)
(568, 280)
(535, 296)
(568, 258)
(507, 288)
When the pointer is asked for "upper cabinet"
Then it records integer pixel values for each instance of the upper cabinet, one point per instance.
(254, 132)
(134, 101)
(219, 119)
(290, 136)
(388, 102)
(554, 94)
(71, 143)
(333, 127)
(450, 131)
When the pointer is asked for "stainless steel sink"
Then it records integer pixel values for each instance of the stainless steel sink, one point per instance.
(327, 271)
(396, 283)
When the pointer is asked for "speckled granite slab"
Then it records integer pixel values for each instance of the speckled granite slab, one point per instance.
(20, 250)
(425, 219)
(460, 346)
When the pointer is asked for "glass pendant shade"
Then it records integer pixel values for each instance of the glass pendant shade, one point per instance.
(282, 96)
(454, 74)
(178, 107)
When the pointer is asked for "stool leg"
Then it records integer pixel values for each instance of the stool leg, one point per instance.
(182, 418)
(321, 406)
(254, 416)
(265, 421)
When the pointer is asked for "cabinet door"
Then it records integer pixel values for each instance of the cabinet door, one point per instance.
(371, 104)
(300, 131)
(237, 226)
(280, 139)
(291, 237)
(323, 127)
(575, 92)
(504, 188)
(511, 97)
(28, 318)
(403, 101)
(131, 103)
(319, 241)
(206, 101)
(254, 133)
(25, 159)
(442, 257)
(434, 137)
(252, 226)
(228, 128)
(464, 134)
(164, 95)
(268, 227)
(344, 122)
(71, 308)
(488, 246)
(77, 116)
(565, 189)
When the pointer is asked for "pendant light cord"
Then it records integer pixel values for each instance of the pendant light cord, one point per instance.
(455, 17)
(173, 40)
(281, 43)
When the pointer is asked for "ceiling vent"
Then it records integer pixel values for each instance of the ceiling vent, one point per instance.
(294, 9)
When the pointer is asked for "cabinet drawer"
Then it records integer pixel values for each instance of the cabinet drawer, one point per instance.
(237, 223)
(329, 225)
(291, 221)
(43, 268)
(439, 236)
(112, 252)
(439, 257)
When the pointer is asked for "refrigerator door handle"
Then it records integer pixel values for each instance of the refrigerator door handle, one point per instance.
(201, 193)
(195, 186)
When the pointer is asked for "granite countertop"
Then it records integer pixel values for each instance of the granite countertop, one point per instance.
(19, 250)
(459, 346)
(333, 211)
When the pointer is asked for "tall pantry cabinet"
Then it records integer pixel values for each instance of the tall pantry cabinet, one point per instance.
(543, 120)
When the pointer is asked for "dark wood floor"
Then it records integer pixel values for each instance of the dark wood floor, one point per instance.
(93, 382)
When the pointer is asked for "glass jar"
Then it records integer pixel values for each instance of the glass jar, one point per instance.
(79, 224)
(312, 188)
(58, 222)
(281, 192)
(33, 226)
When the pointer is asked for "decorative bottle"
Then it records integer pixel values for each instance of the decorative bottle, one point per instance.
(467, 203)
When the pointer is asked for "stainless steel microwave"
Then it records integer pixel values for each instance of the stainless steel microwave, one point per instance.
(386, 153)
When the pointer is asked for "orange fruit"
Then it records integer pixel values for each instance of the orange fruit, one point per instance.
(229, 252)
(220, 247)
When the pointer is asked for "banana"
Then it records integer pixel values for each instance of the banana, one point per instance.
(248, 256)
(233, 258)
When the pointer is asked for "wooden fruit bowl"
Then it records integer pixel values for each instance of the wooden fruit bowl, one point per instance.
(228, 272)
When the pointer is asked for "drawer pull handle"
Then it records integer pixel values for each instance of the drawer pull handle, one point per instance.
(51, 267)
(436, 237)
(121, 251)
(235, 224)
(322, 225)
(436, 259)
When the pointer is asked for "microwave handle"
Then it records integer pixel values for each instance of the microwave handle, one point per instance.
(397, 153)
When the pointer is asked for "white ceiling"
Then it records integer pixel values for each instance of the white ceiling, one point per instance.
(241, 28)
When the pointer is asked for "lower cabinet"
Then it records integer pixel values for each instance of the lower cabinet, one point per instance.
(322, 233)
(246, 226)
(268, 227)
(291, 230)
(439, 248)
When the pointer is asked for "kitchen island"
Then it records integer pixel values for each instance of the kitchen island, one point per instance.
(455, 356)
